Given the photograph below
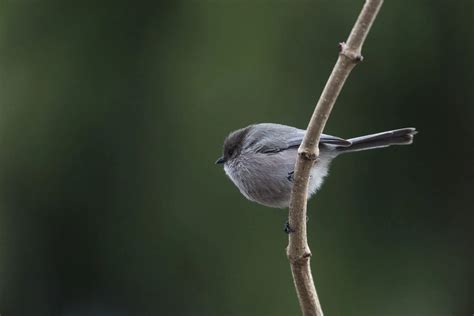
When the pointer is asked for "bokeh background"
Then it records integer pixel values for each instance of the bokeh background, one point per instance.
(112, 114)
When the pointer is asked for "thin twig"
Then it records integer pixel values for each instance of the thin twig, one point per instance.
(298, 250)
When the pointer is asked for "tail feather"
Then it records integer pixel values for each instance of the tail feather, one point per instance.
(403, 136)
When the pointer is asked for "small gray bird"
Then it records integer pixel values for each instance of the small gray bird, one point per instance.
(260, 158)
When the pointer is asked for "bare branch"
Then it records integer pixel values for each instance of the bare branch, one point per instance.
(298, 250)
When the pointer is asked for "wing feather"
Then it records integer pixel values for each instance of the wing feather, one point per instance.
(294, 140)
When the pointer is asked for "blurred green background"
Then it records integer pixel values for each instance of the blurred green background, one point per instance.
(112, 114)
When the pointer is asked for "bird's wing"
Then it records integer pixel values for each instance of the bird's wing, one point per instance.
(334, 140)
(295, 140)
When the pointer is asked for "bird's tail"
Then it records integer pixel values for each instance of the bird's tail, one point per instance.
(403, 136)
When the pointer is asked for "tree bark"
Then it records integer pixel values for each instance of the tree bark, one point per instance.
(298, 251)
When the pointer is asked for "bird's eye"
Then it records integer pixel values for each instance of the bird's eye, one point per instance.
(230, 152)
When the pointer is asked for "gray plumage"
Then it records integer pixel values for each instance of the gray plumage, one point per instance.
(260, 158)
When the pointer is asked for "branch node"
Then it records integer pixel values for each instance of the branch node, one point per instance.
(351, 54)
(300, 259)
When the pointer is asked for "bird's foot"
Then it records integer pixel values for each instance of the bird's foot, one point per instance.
(290, 176)
(288, 229)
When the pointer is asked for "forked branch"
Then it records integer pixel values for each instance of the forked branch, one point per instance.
(298, 250)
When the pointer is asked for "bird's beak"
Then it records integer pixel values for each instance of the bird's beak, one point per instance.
(220, 160)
